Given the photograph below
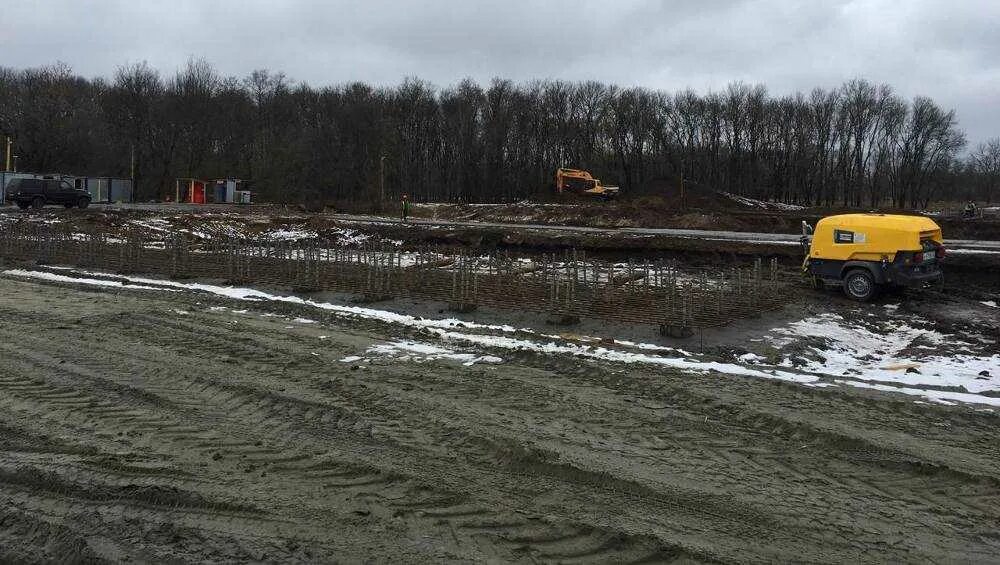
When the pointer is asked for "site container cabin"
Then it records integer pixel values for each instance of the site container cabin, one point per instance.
(202, 191)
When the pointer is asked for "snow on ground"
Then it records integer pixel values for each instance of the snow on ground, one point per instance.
(347, 236)
(444, 330)
(973, 252)
(289, 234)
(216, 225)
(154, 224)
(614, 355)
(940, 396)
(418, 352)
(888, 351)
(872, 353)
(990, 303)
(77, 280)
(748, 241)
(754, 203)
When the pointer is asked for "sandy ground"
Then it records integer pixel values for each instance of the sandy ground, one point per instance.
(151, 426)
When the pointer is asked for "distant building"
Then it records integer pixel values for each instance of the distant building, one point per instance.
(220, 191)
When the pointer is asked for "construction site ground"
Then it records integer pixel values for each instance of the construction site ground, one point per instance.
(147, 419)
(714, 212)
(709, 241)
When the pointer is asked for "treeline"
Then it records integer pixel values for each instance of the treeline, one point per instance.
(858, 145)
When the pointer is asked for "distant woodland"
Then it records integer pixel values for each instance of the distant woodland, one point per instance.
(858, 145)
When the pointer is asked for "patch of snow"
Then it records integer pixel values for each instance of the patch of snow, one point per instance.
(304, 321)
(765, 205)
(747, 241)
(289, 234)
(154, 224)
(197, 233)
(886, 354)
(351, 359)
(76, 280)
(422, 352)
(602, 353)
(347, 236)
(256, 295)
(440, 328)
(851, 349)
(652, 347)
(940, 396)
(990, 303)
(973, 252)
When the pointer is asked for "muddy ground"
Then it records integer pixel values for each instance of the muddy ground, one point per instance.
(714, 211)
(265, 221)
(152, 426)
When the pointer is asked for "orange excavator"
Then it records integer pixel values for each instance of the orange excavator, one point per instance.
(581, 182)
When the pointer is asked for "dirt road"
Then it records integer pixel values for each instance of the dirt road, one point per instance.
(979, 246)
(146, 426)
(967, 245)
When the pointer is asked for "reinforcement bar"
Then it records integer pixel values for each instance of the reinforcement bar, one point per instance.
(567, 285)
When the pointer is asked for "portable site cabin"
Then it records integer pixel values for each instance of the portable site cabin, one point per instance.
(221, 191)
(106, 189)
(191, 191)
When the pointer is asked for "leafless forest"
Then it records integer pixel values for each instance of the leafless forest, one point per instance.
(860, 144)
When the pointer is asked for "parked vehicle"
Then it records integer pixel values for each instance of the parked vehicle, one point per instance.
(37, 193)
(865, 253)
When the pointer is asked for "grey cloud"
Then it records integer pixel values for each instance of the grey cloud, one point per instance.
(946, 50)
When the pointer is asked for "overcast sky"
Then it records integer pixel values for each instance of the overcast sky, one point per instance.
(949, 50)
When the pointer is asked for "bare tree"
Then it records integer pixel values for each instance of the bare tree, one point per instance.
(985, 163)
(859, 144)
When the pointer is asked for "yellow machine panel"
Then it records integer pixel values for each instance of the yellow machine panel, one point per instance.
(871, 237)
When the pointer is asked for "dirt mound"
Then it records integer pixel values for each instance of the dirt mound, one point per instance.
(657, 203)
(667, 195)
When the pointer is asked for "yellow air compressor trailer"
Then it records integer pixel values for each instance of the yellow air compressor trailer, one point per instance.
(864, 253)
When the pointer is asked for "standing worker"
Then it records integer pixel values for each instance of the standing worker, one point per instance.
(970, 210)
(406, 206)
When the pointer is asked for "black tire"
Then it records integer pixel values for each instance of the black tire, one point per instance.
(23, 205)
(83, 203)
(860, 285)
(38, 203)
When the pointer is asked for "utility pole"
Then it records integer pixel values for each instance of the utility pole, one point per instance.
(7, 161)
(381, 182)
(131, 171)
(683, 201)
